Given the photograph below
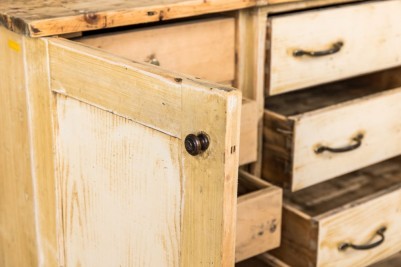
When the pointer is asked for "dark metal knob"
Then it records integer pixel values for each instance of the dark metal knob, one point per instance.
(196, 144)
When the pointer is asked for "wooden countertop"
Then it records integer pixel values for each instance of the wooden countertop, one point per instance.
(43, 17)
(38, 18)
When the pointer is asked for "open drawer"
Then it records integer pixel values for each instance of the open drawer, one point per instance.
(353, 220)
(204, 48)
(319, 46)
(258, 216)
(316, 134)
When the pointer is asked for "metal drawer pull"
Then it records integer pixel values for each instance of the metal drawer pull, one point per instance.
(380, 232)
(358, 142)
(335, 48)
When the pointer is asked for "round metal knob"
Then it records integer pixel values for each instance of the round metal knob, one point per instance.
(154, 61)
(196, 144)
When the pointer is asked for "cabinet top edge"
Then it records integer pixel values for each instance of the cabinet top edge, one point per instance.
(39, 18)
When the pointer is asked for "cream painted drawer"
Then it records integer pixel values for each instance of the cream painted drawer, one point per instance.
(354, 39)
(313, 135)
(353, 220)
(259, 216)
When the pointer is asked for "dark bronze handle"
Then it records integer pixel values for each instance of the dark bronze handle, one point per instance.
(196, 144)
(335, 48)
(357, 140)
(380, 232)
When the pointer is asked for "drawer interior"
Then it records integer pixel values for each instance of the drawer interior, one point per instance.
(351, 188)
(319, 97)
(204, 48)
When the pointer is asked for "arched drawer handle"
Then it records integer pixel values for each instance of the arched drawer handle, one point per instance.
(357, 143)
(380, 232)
(335, 48)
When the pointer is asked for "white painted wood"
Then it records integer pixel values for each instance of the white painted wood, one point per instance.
(358, 225)
(376, 116)
(116, 202)
(370, 31)
(348, 209)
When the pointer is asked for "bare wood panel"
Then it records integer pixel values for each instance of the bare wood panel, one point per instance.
(248, 149)
(117, 84)
(259, 217)
(344, 209)
(43, 18)
(41, 132)
(210, 180)
(251, 45)
(17, 205)
(338, 114)
(202, 48)
(116, 203)
(319, 30)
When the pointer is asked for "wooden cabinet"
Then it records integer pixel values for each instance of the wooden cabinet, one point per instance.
(123, 125)
(97, 169)
(114, 162)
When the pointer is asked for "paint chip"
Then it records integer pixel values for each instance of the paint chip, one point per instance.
(14, 45)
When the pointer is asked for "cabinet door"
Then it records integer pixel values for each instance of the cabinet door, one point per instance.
(128, 191)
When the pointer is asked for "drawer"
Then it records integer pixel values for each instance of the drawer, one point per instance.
(346, 40)
(353, 220)
(202, 48)
(323, 132)
(258, 216)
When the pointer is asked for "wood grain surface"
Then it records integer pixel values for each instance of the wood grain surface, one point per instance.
(44, 18)
(18, 223)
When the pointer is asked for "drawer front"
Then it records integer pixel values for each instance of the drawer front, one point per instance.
(204, 48)
(258, 218)
(353, 220)
(359, 226)
(349, 40)
(312, 147)
(376, 120)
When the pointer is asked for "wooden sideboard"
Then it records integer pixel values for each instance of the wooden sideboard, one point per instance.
(199, 133)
